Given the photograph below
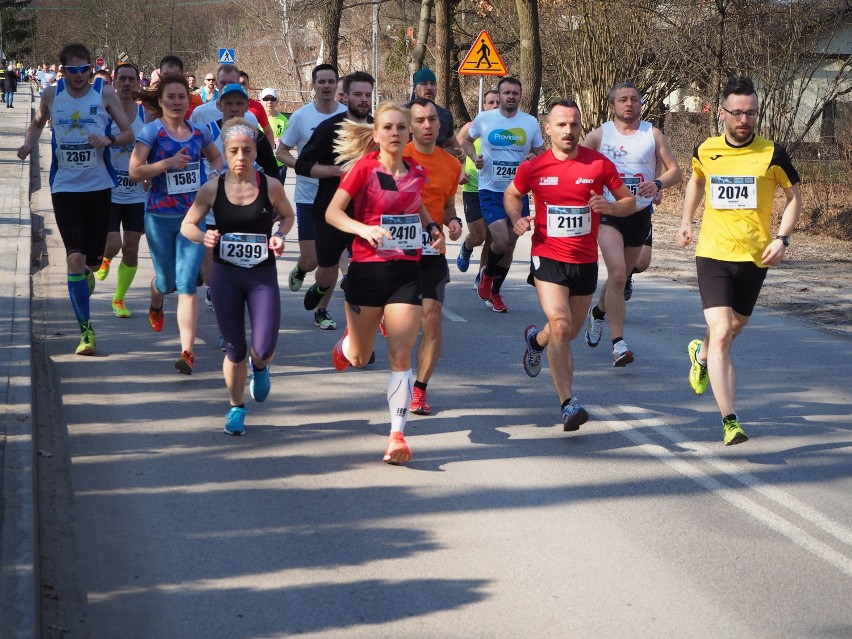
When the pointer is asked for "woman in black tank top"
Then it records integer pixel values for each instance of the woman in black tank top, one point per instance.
(245, 204)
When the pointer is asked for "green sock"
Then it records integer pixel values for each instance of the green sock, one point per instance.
(125, 279)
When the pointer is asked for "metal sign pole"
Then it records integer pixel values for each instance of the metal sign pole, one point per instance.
(481, 96)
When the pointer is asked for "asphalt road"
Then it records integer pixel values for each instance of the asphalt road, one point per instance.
(642, 524)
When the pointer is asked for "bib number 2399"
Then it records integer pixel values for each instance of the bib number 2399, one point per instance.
(244, 249)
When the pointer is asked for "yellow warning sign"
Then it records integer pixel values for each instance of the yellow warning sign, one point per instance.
(483, 59)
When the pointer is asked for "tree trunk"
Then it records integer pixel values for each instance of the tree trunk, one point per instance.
(530, 58)
(443, 47)
(331, 13)
(418, 55)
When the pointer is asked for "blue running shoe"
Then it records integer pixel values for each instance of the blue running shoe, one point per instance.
(235, 421)
(260, 385)
(573, 416)
(463, 259)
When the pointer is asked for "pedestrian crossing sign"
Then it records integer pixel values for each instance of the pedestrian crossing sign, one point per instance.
(226, 56)
(483, 59)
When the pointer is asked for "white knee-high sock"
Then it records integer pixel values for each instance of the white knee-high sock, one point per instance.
(399, 398)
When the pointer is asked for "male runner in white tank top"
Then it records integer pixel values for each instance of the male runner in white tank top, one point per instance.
(638, 149)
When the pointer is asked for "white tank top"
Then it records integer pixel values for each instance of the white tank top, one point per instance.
(635, 157)
(127, 191)
(76, 166)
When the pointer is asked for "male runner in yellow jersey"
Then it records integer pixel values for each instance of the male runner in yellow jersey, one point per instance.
(737, 173)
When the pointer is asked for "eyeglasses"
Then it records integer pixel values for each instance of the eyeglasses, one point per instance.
(751, 115)
(83, 68)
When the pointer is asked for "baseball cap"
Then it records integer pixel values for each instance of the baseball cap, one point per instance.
(231, 88)
(267, 93)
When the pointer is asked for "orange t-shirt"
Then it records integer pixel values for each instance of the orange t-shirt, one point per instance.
(442, 179)
(194, 101)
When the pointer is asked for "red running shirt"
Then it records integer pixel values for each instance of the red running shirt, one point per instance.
(375, 192)
(562, 189)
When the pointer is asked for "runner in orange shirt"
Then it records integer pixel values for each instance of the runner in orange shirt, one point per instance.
(439, 197)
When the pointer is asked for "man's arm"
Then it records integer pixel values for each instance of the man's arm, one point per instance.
(672, 175)
(316, 159)
(593, 140)
(113, 107)
(691, 199)
(37, 125)
(774, 253)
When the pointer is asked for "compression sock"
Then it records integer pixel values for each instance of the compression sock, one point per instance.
(500, 273)
(125, 279)
(493, 262)
(399, 398)
(78, 291)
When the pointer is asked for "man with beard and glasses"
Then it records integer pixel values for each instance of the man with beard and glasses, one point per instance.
(567, 183)
(640, 151)
(319, 160)
(736, 173)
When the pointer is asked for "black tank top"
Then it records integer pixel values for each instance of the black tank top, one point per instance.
(256, 217)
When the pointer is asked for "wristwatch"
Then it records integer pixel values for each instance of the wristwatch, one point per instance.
(784, 238)
(659, 184)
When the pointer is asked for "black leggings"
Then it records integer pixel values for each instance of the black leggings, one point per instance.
(234, 290)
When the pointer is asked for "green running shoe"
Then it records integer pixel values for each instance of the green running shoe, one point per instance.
(90, 280)
(732, 431)
(87, 341)
(698, 372)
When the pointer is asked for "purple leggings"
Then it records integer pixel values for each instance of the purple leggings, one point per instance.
(235, 289)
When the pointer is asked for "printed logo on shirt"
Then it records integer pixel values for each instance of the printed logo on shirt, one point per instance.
(613, 152)
(549, 181)
(582, 180)
(508, 137)
(93, 110)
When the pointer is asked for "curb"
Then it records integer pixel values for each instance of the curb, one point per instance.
(19, 597)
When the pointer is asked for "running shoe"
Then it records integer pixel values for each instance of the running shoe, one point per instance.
(260, 385)
(497, 304)
(573, 415)
(397, 451)
(532, 356)
(419, 405)
(103, 271)
(294, 280)
(621, 354)
(628, 290)
(208, 297)
(697, 371)
(313, 297)
(337, 357)
(223, 345)
(477, 279)
(90, 280)
(235, 421)
(732, 431)
(120, 309)
(156, 318)
(184, 363)
(463, 258)
(594, 329)
(484, 288)
(87, 341)
(323, 320)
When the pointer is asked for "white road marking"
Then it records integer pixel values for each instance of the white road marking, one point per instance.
(451, 316)
(738, 499)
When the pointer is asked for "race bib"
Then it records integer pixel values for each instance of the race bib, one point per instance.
(404, 230)
(77, 156)
(502, 171)
(185, 180)
(244, 249)
(568, 221)
(632, 183)
(733, 192)
(125, 186)
(427, 243)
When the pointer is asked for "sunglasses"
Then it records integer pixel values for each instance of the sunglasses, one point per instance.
(83, 68)
(269, 99)
(209, 79)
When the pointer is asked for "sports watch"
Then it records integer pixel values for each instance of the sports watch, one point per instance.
(784, 238)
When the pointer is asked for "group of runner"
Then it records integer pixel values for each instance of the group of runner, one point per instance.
(375, 195)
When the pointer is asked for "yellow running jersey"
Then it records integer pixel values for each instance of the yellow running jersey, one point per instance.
(739, 189)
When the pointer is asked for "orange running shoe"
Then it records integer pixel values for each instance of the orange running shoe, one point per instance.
(156, 318)
(184, 363)
(397, 451)
(337, 357)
